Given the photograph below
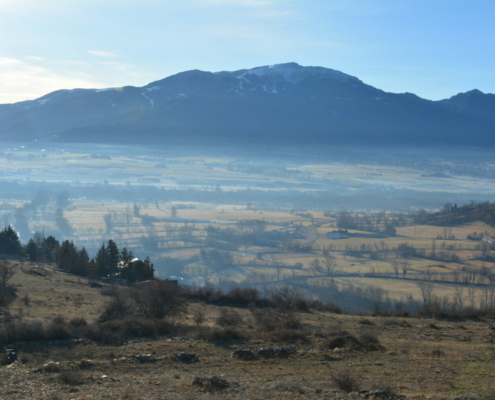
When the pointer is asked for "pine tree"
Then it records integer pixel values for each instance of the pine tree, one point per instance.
(83, 262)
(113, 254)
(9, 241)
(101, 261)
(126, 256)
(31, 250)
(68, 258)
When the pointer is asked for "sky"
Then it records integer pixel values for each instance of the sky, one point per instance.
(433, 48)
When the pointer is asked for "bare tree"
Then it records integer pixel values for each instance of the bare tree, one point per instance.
(405, 266)
(329, 262)
(472, 295)
(315, 266)
(459, 298)
(173, 212)
(426, 288)
(395, 266)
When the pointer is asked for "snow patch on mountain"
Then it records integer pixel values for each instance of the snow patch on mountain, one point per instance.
(295, 73)
(152, 102)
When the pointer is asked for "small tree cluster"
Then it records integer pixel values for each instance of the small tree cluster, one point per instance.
(73, 260)
(9, 241)
(110, 262)
(41, 249)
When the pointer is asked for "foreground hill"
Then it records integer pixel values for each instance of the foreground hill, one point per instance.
(283, 103)
(143, 358)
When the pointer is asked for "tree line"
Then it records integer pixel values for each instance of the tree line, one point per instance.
(110, 262)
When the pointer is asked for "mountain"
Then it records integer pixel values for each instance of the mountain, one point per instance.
(279, 104)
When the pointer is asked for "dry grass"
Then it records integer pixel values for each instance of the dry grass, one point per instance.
(440, 359)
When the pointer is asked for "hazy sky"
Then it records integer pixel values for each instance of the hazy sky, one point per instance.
(434, 48)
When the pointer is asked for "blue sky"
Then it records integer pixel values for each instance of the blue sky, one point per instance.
(434, 48)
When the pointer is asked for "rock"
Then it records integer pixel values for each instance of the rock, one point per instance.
(243, 354)
(50, 367)
(284, 351)
(11, 355)
(266, 352)
(213, 383)
(187, 358)
(144, 358)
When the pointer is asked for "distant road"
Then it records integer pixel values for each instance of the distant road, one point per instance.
(311, 232)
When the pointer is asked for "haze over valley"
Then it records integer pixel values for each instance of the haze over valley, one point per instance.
(247, 199)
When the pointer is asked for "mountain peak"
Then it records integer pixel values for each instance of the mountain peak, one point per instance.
(294, 73)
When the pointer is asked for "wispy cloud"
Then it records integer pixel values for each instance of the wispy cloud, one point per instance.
(34, 58)
(237, 3)
(105, 54)
(20, 80)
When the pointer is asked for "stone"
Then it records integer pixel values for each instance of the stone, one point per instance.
(266, 352)
(187, 358)
(284, 351)
(213, 383)
(243, 354)
(144, 358)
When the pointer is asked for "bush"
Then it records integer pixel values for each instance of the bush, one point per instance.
(72, 377)
(218, 335)
(370, 341)
(199, 316)
(343, 339)
(228, 318)
(117, 308)
(286, 335)
(78, 322)
(102, 334)
(16, 332)
(266, 319)
(58, 332)
(269, 319)
(158, 299)
(345, 380)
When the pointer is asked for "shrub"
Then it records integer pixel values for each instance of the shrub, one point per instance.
(437, 353)
(4, 359)
(117, 308)
(286, 335)
(343, 339)
(58, 332)
(158, 299)
(218, 335)
(16, 332)
(266, 318)
(102, 334)
(199, 316)
(345, 380)
(72, 377)
(269, 319)
(228, 318)
(370, 341)
(78, 322)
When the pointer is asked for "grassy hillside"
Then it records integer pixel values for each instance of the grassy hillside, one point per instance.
(324, 351)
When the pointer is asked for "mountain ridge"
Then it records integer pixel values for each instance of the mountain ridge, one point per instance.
(285, 103)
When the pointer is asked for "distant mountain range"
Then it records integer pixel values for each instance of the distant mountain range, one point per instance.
(280, 104)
